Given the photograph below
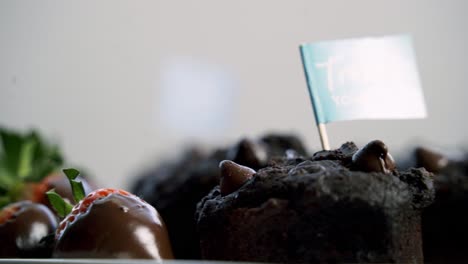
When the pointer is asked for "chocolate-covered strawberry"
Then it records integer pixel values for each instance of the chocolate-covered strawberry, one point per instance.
(110, 223)
(23, 227)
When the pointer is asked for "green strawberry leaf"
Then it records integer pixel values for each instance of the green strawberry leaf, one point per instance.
(6, 179)
(47, 158)
(24, 157)
(78, 190)
(58, 203)
(71, 173)
(11, 143)
(25, 162)
(77, 186)
(27, 156)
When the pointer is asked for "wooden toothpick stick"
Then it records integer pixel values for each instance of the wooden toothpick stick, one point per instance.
(323, 136)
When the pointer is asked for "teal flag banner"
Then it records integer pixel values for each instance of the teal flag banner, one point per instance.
(365, 78)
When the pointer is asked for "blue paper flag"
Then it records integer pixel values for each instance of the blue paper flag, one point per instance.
(366, 78)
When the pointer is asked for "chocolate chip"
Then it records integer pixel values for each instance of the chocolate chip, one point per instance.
(249, 153)
(373, 157)
(233, 176)
(430, 160)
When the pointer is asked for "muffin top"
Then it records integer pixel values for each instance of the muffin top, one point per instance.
(366, 175)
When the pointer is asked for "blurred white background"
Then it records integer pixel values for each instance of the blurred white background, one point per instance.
(111, 80)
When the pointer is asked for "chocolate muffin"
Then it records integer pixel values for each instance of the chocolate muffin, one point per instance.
(175, 188)
(444, 223)
(345, 205)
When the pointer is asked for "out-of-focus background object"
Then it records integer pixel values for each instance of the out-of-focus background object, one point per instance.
(111, 80)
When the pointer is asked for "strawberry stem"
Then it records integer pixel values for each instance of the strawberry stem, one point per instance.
(62, 207)
(59, 204)
(77, 186)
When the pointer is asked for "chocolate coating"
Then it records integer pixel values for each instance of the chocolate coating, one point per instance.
(116, 226)
(233, 176)
(374, 157)
(20, 237)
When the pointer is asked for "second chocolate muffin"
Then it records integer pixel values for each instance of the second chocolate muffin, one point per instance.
(174, 188)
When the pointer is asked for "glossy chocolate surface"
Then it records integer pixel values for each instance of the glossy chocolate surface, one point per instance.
(20, 237)
(116, 226)
(374, 157)
(233, 176)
